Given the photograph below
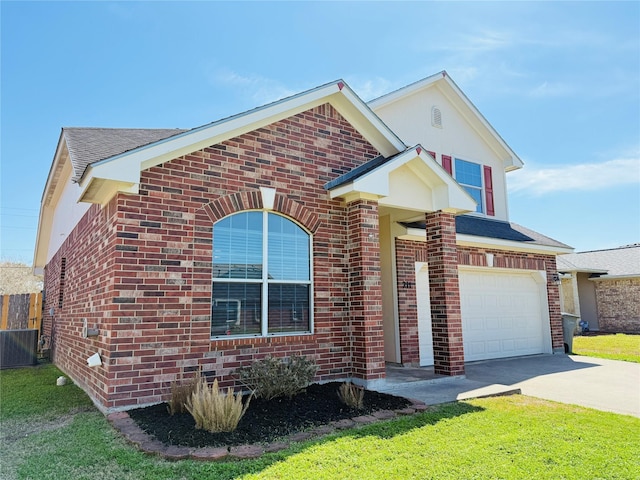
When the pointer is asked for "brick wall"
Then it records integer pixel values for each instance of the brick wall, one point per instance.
(446, 320)
(365, 291)
(408, 252)
(141, 268)
(88, 256)
(618, 302)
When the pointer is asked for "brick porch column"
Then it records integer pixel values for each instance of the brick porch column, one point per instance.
(365, 291)
(446, 320)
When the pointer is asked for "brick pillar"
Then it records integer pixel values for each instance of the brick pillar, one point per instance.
(365, 291)
(446, 320)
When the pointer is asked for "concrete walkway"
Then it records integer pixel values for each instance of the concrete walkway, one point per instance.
(607, 385)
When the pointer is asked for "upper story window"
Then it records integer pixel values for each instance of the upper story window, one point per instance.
(469, 175)
(261, 276)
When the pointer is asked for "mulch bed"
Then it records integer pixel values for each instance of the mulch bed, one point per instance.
(265, 420)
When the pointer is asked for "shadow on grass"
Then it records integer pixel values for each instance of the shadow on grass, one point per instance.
(385, 430)
(102, 452)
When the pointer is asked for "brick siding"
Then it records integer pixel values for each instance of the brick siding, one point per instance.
(409, 252)
(618, 302)
(141, 268)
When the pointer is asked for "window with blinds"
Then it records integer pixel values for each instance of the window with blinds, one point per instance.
(261, 276)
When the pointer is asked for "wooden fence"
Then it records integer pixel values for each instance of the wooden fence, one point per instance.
(21, 311)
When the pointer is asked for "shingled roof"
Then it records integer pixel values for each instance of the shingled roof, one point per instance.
(90, 145)
(620, 261)
(498, 229)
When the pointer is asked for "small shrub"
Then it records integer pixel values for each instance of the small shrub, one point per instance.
(180, 393)
(274, 377)
(213, 410)
(351, 395)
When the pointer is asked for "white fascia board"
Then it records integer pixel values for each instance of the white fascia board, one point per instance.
(500, 244)
(125, 168)
(511, 161)
(614, 277)
(419, 235)
(457, 97)
(45, 222)
(405, 91)
(581, 270)
(368, 123)
(51, 192)
(447, 194)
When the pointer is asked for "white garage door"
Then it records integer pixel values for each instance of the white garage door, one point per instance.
(503, 314)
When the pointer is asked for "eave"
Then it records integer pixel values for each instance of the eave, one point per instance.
(443, 82)
(418, 235)
(432, 188)
(121, 173)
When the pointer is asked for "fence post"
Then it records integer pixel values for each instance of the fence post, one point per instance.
(5, 312)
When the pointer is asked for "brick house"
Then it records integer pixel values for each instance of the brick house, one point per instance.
(602, 287)
(383, 228)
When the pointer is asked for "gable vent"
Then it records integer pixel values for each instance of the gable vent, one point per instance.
(436, 117)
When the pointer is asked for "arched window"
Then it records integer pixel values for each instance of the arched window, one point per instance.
(261, 276)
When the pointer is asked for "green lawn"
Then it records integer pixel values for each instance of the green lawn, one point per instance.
(503, 437)
(614, 347)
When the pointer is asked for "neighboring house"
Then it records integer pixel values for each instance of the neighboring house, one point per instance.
(320, 225)
(602, 287)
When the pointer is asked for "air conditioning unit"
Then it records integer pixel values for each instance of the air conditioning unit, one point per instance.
(18, 348)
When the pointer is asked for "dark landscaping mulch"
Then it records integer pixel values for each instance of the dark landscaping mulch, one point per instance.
(265, 420)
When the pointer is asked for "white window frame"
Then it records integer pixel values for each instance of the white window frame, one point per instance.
(483, 201)
(265, 282)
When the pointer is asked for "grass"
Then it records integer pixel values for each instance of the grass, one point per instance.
(614, 347)
(502, 437)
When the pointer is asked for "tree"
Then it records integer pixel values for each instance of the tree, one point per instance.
(17, 277)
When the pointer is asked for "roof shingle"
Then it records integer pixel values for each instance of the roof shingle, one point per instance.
(90, 145)
(616, 261)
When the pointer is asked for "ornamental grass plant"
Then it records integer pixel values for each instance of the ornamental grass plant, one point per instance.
(180, 394)
(214, 410)
(351, 395)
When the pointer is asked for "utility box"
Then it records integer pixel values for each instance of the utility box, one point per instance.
(18, 348)
(569, 325)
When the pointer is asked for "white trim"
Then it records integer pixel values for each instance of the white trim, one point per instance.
(499, 244)
(450, 89)
(418, 235)
(126, 167)
(264, 282)
(268, 197)
(614, 277)
(446, 193)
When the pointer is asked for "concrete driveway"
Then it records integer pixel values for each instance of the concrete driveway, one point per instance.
(607, 385)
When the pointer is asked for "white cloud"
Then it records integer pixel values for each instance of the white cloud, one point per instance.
(546, 89)
(368, 88)
(582, 177)
(261, 89)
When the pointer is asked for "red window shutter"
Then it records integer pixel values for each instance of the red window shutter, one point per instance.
(488, 190)
(433, 154)
(446, 164)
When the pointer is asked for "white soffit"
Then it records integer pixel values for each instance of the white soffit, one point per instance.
(443, 192)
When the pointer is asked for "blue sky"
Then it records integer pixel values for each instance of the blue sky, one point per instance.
(559, 81)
